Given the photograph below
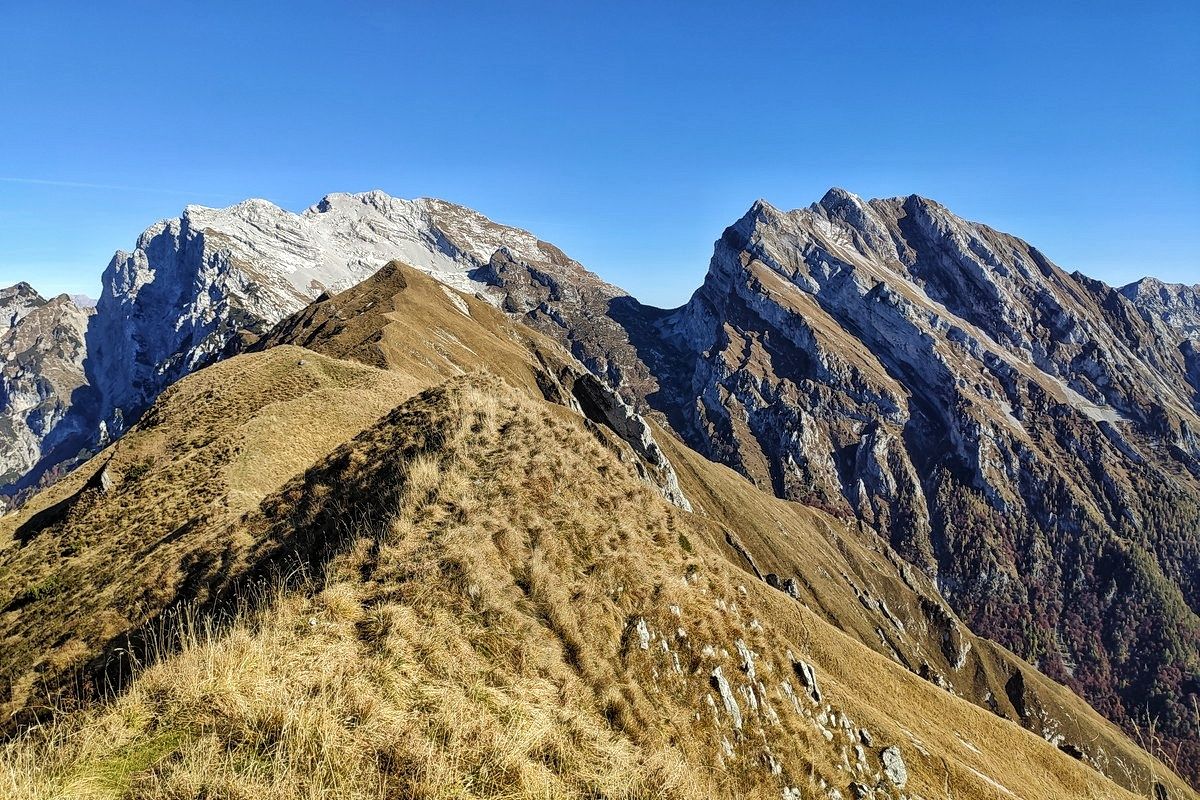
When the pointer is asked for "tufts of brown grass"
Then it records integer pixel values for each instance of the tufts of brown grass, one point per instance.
(81, 569)
(328, 696)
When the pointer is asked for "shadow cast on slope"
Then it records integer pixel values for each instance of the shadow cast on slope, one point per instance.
(670, 365)
(294, 534)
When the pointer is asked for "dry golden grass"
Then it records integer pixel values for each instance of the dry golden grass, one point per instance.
(476, 563)
(838, 563)
(213, 447)
(327, 697)
(79, 569)
(476, 635)
(403, 320)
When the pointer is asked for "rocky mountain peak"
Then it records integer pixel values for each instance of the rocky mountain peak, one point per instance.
(41, 368)
(246, 208)
(837, 202)
(941, 379)
(759, 213)
(16, 301)
(218, 272)
(19, 289)
(760, 208)
(1175, 305)
(195, 286)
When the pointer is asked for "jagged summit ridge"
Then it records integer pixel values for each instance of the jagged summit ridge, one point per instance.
(16, 301)
(215, 272)
(197, 286)
(344, 237)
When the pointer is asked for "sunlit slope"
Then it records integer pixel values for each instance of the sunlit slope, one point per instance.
(516, 613)
(226, 481)
(847, 575)
(845, 572)
(403, 320)
(146, 522)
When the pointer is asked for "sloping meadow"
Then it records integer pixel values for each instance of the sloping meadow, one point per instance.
(484, 600)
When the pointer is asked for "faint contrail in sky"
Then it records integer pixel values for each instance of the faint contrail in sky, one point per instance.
(83, 185)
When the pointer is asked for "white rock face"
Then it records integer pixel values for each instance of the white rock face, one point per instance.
(721, 684)
(191, 285)
(175, 302)
(1176, 305)
(16, 302)
(41, 367)
(893, 766)
(890, 329)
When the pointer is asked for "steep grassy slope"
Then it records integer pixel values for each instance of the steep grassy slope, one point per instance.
(144, 523)
(858, 584)
(516, 614)
(848, 575)
(553, 512)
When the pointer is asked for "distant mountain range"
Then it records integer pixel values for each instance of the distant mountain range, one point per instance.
(1027, 438)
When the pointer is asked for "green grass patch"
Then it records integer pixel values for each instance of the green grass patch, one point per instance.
(114, 776)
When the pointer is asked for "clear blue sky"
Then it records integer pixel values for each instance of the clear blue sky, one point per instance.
(629, 134)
